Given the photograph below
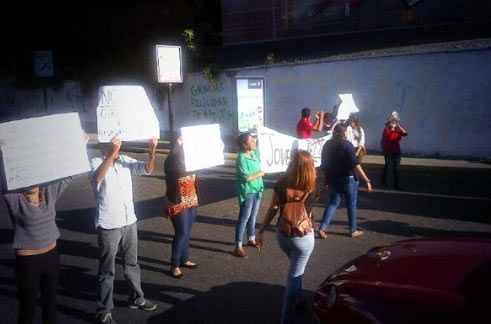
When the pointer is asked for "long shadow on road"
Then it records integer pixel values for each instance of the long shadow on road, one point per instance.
(432, 206)
(238, 303)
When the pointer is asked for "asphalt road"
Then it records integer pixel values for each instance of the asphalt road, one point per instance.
(225, 289)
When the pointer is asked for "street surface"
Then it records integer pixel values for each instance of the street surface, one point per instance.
(437, 201)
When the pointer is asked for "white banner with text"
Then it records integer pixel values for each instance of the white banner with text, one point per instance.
(276, 149)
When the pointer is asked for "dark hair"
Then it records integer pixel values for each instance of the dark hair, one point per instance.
(339, 131)
(174, 137)
(242, 139)
(306, 112)
(354, 118)
(328, 116)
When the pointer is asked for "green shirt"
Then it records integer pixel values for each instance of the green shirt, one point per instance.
(246, 167)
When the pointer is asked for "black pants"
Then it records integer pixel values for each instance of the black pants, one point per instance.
(391, 160)
(34, 273)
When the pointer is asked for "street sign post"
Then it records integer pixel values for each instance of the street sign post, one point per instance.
(43, 68)
(169, 70)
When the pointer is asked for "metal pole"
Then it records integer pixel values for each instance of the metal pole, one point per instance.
(171, 118)
(45, 95)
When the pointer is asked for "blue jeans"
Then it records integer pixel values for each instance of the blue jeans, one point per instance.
(298, 250)
(338, 187)
(110, 240)
(183, 223)
(247, 216)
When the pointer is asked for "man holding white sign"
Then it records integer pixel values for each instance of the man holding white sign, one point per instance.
(116, 224)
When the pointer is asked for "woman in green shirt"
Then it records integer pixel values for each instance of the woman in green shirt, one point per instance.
(250, 183)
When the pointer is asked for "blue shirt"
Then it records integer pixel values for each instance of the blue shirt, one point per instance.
(338, 159)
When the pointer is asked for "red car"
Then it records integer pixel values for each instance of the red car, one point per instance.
(444, 280)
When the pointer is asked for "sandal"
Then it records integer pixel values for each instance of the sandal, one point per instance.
(175, 275)
(190, 265)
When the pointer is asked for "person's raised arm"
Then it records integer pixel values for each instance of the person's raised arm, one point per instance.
(152, 147)
(270, 214)
(113, 154)
(319, 115)
(364, 177)
(401, 130)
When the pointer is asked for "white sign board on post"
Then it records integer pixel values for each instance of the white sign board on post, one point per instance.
(169, 67)
(43, 149)
(203, 147)
(276, 149)
(125, 112)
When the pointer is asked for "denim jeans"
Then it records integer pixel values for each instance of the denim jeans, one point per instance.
(183, 223)
(338, 187)
(247, 216)
(298, 250)
(391, 160)
(110, 240)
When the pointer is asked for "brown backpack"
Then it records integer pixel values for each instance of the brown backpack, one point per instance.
(294, 220)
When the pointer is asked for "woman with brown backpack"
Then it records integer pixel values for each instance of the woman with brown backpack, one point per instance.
(293, 196)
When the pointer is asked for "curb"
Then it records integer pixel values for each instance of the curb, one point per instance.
(370, 161)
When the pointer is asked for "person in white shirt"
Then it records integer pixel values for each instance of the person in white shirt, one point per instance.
(356, 136)
(116, 224)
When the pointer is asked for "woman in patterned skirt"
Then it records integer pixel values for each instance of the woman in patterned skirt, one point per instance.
(182, 207)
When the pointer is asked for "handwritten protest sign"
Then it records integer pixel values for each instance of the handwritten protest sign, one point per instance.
(38, 150)
(276, 149)
(347, 106)
(125, 112)
(203, 147)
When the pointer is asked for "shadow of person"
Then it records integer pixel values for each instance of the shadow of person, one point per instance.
(238, 303)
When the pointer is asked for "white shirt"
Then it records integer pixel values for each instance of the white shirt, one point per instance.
(354, 137)
(114, 194)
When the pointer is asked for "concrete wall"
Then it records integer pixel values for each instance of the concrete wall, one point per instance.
(443, 98)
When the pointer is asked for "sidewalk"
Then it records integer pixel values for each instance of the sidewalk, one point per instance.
(370, 160)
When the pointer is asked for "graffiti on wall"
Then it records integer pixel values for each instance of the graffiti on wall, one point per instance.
(209, 103)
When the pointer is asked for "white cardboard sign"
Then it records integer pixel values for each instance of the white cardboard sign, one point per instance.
(276, 149)
(43, 149)
(125, 112)
(347, 106)
(203, 147)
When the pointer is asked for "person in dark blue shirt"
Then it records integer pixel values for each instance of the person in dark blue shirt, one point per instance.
(341, 167)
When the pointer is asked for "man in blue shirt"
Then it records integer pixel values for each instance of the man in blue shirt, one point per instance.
(341, 167)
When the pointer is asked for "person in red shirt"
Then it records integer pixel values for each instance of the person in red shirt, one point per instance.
(305, 127)
(391, 136)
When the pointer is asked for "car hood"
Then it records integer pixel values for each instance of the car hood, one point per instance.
(423, 264)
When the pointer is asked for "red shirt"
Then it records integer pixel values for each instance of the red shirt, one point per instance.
(391, 139)
(304, 128)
